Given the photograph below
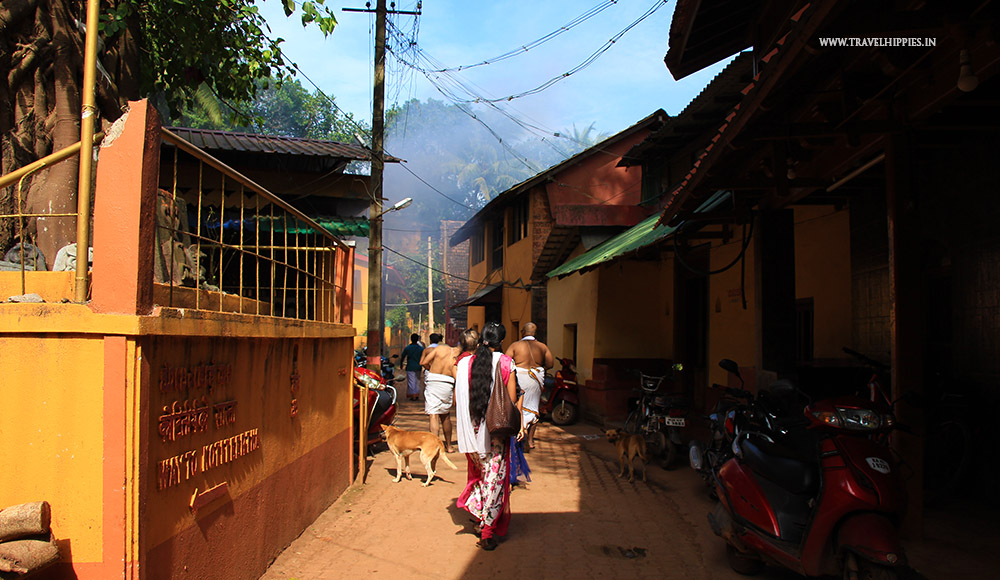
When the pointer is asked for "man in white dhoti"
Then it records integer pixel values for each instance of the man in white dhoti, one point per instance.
(438, 361)
(531, 358)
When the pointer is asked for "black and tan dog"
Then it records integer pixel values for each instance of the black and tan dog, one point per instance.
(402, 443)
(629, 447)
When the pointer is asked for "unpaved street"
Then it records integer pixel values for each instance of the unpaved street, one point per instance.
(575, 519)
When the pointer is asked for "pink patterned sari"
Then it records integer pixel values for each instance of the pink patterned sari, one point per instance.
(487, 494)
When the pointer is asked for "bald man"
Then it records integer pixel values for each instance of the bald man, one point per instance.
(531, 358)
(439, 386)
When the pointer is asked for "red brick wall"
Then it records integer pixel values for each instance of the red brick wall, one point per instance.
(456, 286)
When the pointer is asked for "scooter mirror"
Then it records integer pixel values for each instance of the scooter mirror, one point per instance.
(730, 366)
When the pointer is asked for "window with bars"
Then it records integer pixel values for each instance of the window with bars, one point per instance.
(477, 251)
(496, 243)
(518, 221)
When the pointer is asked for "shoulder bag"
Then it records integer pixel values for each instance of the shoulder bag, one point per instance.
(502, 417)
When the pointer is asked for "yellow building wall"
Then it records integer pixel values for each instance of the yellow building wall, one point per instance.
(517, 266)
(360, 302)
(52, 436)
(823, 273)
(731, 329)
(476, 317)
(634, 318)
(573, 300)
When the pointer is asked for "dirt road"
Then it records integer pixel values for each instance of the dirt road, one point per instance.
(575, 519)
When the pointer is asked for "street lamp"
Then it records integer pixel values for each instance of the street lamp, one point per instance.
(401, 204)
(375, 320)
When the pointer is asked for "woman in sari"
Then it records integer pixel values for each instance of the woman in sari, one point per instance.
(487, 494)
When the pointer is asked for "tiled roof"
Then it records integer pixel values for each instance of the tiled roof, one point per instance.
(251, 143)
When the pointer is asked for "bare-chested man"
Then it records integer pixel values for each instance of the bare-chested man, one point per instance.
(531, 358)
(439, 386)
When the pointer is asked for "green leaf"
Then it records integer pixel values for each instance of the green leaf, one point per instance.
(289, 6)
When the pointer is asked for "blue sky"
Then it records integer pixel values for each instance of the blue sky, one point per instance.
(622, 86)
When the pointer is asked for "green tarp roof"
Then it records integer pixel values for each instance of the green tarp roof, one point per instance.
(646, 233)
(338, 226)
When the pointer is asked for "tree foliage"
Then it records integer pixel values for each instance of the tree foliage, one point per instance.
(286, 109)
(460, 157)
(165, 49)
(413, 271)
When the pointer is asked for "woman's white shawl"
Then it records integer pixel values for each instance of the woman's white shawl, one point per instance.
(469, 439)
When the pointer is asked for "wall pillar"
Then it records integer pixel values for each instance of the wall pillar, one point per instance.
(125, 214)
(906, 319)
(774, 264)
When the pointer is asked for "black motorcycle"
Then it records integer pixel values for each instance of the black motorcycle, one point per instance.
(776, 411)
(659, 416)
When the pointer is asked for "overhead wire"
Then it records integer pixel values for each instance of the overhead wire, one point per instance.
(503, 283)
(533, 44)
(581, 66)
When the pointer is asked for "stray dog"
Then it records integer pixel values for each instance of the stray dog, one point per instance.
(402, 443)
(629, 446)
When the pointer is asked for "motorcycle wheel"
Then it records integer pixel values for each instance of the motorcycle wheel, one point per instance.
(869, 571)
(669, 454)
(564, 413)
(741, 563)
(632, 423)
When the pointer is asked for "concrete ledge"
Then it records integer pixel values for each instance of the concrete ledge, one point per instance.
(71, 318)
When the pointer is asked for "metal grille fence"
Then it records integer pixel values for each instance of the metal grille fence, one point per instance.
(227, 244)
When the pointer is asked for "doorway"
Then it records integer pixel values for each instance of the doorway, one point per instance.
(691, 321)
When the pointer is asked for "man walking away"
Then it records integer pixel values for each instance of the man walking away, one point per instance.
(411, 354)
(439, 386)
(531, 358)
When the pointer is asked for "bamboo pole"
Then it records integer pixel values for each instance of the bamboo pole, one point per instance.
(51, 159)
(88, 114)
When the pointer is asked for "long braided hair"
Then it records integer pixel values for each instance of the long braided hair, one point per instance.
(482, 370)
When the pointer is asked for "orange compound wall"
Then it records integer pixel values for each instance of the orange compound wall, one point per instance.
(274, 434)
(170, 443)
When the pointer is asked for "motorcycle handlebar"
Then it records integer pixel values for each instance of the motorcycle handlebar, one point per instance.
(868, 361)
(733, 391)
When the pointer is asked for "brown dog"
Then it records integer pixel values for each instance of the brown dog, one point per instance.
(629, 447)
(402, 443)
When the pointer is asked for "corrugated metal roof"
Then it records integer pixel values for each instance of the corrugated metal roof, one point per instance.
(646, 233)
(248, 142)
(712, 101)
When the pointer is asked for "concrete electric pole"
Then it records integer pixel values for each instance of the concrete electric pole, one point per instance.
(375, 210)
(430, 290)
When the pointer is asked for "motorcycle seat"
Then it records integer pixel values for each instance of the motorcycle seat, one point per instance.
(781, 465)
(670, 401)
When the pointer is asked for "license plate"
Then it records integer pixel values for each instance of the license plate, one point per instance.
(674, 421)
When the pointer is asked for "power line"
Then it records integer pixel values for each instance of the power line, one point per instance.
(504, 284)
(533, 44)
(584, 64)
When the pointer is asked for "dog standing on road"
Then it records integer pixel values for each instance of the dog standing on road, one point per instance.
(402, 443)
(629, 447)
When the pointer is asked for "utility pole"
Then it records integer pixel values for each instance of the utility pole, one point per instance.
(375, 320)
(445, 279)
(430, 289)
(375, 212)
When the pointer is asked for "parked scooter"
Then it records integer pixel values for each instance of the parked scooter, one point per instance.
(560, 397)
(732, 412)
(826, 499)
(659, 416)
(380, 399)
(388, 369)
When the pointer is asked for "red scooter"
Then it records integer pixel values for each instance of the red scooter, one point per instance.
(560, 400)
(826, 499)
(380, 403)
